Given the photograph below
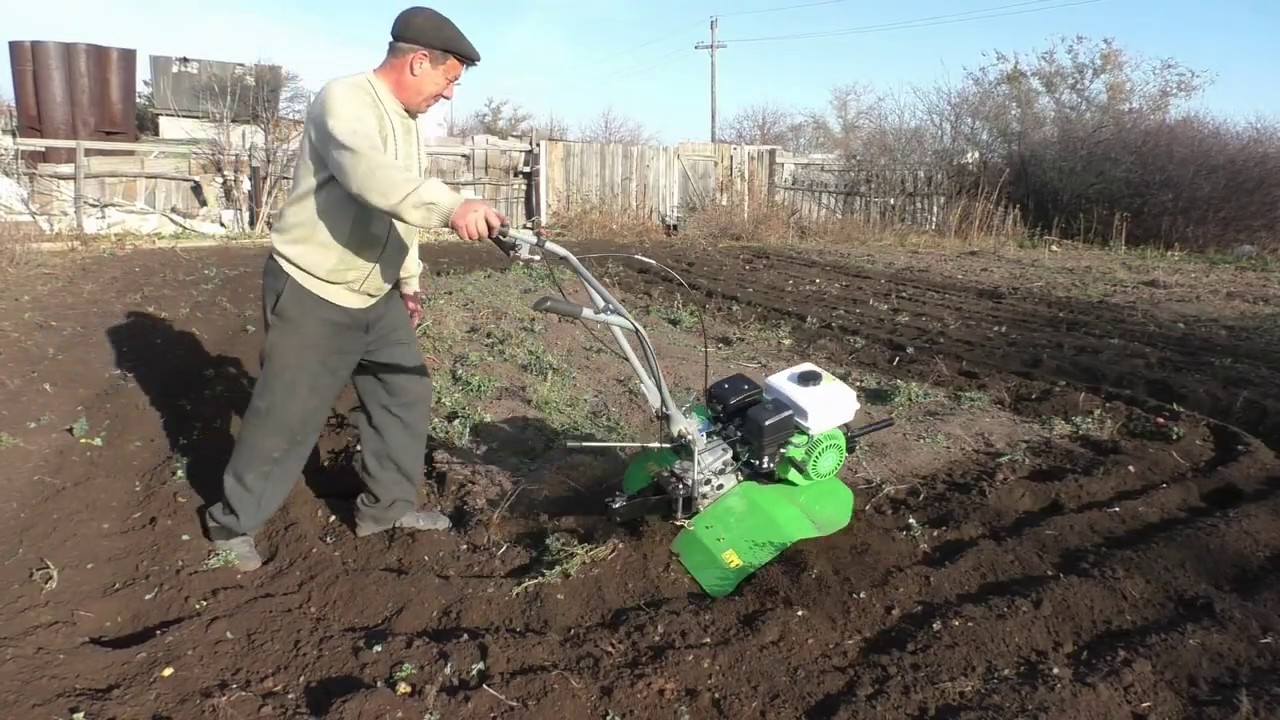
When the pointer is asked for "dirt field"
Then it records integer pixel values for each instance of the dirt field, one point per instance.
(1077, 514)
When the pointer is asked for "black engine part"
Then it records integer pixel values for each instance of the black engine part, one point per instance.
(754, 427)
(727, 399)
(765, 428)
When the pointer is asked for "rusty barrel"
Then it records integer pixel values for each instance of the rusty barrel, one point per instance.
(23, 68)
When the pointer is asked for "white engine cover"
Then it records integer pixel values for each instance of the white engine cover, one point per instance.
(820, 400)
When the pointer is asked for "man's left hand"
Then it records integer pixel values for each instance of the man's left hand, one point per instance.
(413, 303)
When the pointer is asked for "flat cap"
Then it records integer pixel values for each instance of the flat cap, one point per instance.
(427, 28)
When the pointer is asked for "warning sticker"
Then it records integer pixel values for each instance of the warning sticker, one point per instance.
(731, 559)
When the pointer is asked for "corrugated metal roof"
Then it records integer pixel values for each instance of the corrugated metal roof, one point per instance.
(195, 87)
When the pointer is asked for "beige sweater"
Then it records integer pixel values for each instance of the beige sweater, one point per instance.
(348, 230)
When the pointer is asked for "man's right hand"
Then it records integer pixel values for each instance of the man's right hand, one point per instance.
(474, 220)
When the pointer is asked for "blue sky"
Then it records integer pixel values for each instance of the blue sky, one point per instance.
(573, 58)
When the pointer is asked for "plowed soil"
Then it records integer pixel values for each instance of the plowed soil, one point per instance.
(1077, 514)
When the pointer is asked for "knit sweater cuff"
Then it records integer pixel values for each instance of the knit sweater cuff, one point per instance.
(411, 272)
(445, 200)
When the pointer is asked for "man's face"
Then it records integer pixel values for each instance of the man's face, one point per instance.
(429, 84)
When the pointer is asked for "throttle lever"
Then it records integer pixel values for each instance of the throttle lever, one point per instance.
(508, 247)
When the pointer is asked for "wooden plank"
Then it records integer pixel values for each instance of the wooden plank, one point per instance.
(79, 186)
(466, 152)
(828, 162)
(107, 163)
(47, 144)
(114, 174)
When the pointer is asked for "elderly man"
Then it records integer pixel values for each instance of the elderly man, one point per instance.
(341, 293)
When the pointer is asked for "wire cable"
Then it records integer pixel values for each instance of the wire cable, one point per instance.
(706, 343)
(779, 9)
(666, 35)
(633, 70)
(931, 21)
(650, 354)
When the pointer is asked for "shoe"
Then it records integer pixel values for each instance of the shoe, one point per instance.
(415, 520)
(243, 550)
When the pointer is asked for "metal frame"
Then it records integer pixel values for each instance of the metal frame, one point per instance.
(526, 245)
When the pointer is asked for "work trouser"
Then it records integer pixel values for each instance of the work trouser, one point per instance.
(312, 348)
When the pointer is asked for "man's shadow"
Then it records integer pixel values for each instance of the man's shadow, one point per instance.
(199, 396)
(196, 394)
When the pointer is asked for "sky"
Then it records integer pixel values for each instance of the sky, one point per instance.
(573, 59)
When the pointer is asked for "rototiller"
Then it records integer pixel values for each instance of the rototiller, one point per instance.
(747, 473)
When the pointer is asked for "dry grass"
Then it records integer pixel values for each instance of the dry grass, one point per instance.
(591, 218)
(982, 221)
(965, 223)
(19, 246)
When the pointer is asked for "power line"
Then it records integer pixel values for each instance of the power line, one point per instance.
(779, 9)
(666, 35)
(713, 45)
(630, 71)
(925, 21)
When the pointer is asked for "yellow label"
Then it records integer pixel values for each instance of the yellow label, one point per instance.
(731, 559)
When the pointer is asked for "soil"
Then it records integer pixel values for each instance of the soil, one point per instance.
(1076, 515)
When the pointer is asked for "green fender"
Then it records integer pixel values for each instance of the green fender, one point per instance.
(752, 524)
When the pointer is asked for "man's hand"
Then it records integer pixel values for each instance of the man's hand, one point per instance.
(474, 220)
(413, 303)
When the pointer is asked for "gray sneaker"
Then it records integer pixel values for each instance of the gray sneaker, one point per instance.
(243, 549)
(415, 520)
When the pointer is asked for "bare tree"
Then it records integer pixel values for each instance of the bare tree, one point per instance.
(842, 127)
(224, 102)
(279, 106)
(145, 118)
(8, 113)
(1067, 126)
(254, 118)
(554, 127)
(502, 118)
(761, 124)
(609, 126)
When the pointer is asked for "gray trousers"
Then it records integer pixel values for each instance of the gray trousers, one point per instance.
(312, 349)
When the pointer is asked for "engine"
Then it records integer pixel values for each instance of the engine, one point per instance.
(790, 429)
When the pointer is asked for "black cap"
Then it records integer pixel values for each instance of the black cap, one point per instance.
(429, 29)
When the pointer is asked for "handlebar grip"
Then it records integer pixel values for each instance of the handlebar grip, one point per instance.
(876, 426)
(508, 247)
(556, 306)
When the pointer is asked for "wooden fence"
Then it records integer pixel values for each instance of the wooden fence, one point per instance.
(669, 183)
(158, 175)
(497, 170)
(664, 183)
(525, 178)
(818, 189)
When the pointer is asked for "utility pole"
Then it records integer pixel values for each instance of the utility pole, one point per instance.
(712, 46)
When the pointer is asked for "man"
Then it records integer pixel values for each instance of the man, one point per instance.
(341, 292)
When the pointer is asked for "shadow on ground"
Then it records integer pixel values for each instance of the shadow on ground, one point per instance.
(198, 396)
(196, 393)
